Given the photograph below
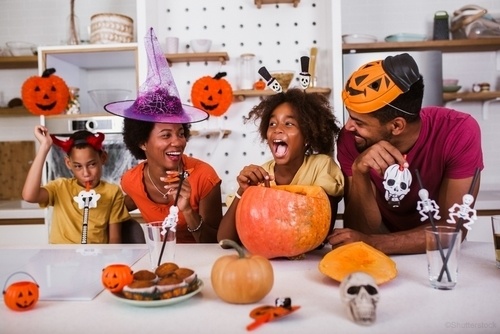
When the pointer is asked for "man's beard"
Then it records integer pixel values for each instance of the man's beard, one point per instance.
(367, 143)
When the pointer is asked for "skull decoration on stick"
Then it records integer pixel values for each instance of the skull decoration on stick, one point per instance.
(397, 181)
(360, 294)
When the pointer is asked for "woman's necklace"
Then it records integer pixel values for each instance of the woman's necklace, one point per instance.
(165, 195)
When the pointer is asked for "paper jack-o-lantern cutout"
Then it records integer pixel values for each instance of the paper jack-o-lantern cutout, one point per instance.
(212, 94)
(116, 276)
(22, 295)
(45, 95)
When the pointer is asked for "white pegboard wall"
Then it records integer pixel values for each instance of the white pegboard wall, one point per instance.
(278, 35)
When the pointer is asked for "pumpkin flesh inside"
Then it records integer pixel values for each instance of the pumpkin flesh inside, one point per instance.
(358, 256)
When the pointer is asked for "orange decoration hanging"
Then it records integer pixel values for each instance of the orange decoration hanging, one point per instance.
(45, 95)
(212, 94)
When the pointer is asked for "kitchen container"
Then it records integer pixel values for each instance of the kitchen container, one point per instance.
(107, 28)
(284, 77)
(247, 72)
(358, 38)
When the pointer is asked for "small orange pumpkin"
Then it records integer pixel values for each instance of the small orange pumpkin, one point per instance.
(45, 95)
(116, 276)
(21, 296)
(212, 94)
(259, 85)
(283, 221)
(242, 278)
(358, 256)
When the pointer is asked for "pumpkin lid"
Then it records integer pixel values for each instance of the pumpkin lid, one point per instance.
(358, 256)
(158, 99)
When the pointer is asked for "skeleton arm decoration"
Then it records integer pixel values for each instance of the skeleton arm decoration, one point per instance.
(463, 211)
(427, 207)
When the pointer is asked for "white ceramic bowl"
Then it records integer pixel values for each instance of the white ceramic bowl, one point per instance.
(21, 48)
(200, 45)
(101, 97)
(358, 38)
(450, 82)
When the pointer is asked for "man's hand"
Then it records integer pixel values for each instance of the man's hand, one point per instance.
(379, 156)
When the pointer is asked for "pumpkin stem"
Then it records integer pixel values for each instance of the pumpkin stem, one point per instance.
(228, 243)
(220, 75)
(48, 72)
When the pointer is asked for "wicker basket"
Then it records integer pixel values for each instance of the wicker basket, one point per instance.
(106, 28)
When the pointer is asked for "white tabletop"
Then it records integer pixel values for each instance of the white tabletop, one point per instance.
(407, 304)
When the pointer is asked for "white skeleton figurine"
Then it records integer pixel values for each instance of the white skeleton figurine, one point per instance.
(463, 211)
(360, 295)
(170, 222)
(427, 207)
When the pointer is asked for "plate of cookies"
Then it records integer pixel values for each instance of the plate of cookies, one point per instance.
(168, 284)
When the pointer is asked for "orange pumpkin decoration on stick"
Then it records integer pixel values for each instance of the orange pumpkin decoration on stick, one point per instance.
(45, 95)
(21, 296)
(283, 221)
(212, 94)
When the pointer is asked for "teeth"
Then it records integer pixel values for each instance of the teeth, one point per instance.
(278, 141)
(173, 153)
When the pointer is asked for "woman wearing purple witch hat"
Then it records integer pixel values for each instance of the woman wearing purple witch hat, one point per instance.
(156, 130)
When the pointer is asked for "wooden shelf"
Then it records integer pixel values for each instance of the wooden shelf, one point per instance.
(241, 94)
(457, 45)
(18, 62)
(189, 57)
(471, 97)
(17, 111)
(259, 3)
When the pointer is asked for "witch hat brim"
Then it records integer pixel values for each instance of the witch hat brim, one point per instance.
(158, 99)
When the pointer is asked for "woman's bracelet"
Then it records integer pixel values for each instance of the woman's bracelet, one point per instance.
(197, 227)
(238, 196)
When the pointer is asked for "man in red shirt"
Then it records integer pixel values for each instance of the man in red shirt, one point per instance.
(387, 125)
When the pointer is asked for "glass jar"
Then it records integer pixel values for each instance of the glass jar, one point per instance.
(247, 71)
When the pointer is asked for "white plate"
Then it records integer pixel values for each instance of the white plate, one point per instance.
(405, 37)
(161, 302)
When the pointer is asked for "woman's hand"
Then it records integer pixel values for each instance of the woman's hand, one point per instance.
(185, 194)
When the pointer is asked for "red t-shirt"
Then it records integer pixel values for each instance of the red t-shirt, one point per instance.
(448, 146)
(202, 179)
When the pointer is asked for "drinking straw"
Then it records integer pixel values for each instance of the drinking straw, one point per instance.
(85, 214)
(459, 226)
(181, 179)
(434, 228)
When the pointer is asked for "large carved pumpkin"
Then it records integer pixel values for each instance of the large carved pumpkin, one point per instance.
(22, 295)
(45, 95)
(212, 94)
(283, 221)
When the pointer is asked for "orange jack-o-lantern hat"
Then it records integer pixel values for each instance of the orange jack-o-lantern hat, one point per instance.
(377, 83)
(158, 99)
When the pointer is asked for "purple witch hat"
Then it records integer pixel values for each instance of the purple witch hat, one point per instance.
(158, 100)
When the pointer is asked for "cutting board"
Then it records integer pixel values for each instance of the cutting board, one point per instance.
(15, 160)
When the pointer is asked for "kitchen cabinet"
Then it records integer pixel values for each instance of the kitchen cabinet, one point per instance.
(93, 66)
